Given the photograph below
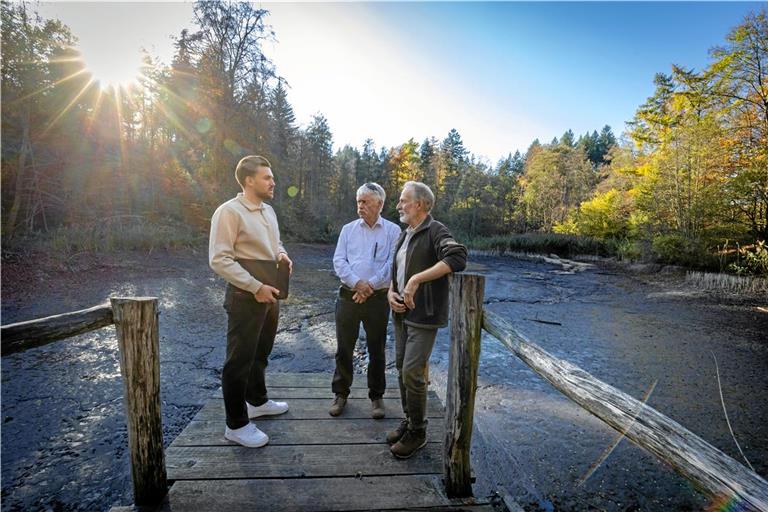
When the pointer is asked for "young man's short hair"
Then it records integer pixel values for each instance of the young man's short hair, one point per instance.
(248, 166)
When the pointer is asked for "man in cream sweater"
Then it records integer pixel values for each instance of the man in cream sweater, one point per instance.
(245, 229)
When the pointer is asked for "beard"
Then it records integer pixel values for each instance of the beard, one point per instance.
(266, 195)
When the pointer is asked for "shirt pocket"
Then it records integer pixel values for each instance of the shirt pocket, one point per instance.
(381, 252)
(429, 304)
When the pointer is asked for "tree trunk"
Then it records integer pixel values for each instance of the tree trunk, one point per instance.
(18, 199)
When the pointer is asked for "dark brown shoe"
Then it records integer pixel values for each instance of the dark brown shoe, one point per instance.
(378, 409)
(338, 405)
(394, 436)
(410, 443)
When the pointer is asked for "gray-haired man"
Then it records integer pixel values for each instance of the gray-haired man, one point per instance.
(425, 254)
(363, 262)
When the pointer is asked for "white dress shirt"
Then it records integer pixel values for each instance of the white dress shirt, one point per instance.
(365, 253)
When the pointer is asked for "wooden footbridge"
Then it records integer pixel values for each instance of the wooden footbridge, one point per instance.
(315, 462)
(312, 461)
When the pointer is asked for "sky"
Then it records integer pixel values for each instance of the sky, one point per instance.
(502, 74)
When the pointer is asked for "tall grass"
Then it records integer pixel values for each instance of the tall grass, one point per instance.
(119, 233)
(545, 243)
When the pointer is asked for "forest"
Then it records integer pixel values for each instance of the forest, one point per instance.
(92, 169)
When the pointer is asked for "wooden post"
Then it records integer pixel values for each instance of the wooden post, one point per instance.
(136, 321)
(466, 324)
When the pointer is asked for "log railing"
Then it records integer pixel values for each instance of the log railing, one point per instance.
(136, 323)
(709, 469)
(36, 333)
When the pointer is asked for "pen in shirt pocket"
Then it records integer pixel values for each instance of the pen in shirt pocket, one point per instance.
(375, 248)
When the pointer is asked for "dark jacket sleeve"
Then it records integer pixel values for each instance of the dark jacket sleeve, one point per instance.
(448, 249)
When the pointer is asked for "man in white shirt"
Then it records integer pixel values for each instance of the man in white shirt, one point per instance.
(245, 234)
(363, 262)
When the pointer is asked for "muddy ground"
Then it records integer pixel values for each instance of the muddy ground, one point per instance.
(63, 430)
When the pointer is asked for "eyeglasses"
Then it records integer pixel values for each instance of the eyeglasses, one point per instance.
(371, 186)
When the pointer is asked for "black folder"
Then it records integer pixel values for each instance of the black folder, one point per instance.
(269, 272)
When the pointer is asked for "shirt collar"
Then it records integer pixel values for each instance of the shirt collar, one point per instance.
(248, 204)
(424, 224)
(377, 223)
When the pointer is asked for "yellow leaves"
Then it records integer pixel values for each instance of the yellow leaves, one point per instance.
(647, 170)
(603, 216)
(567, 227)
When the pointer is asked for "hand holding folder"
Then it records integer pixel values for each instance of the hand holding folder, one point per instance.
(272, 273)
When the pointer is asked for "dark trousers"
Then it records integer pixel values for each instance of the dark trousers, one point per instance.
(413, 346)
(374, 314)
(251, 329)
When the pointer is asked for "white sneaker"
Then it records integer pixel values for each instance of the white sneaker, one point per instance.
(268, 408)
(248, 435)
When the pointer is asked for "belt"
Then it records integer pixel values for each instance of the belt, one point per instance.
(348, 293)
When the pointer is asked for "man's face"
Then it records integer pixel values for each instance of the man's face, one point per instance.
(407, 207)
(262, 183)
(368, 207)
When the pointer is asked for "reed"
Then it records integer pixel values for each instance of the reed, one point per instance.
(727, 282)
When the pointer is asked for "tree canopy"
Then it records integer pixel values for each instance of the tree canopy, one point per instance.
(693, 165)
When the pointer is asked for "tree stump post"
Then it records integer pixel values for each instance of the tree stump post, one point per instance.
(466, 324)
(136, 321)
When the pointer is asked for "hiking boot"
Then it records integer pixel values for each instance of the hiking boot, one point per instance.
(338, 405)
(268, 408)
(378, 408)
(394, 436)
(411, 441)
(248, 436)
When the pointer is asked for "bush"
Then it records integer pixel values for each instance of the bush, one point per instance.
(679, 250)
(629, 250)
(752, 260)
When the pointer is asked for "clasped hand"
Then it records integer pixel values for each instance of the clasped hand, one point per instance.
(363, 290)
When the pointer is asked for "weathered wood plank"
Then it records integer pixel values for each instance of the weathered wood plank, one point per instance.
(313, 408)
(317, 495)
(318, 380)
(227, 462)
(42, 331)
(714, 472)
(324, 431)
(138, 337)
(324, 392)
(466, 294)
(453, 508)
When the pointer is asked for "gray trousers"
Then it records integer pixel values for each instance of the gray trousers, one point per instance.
(413, 346)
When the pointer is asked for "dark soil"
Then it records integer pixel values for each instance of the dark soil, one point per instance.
(63, 429)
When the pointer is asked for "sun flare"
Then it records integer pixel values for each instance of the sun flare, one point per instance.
(113, 70)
